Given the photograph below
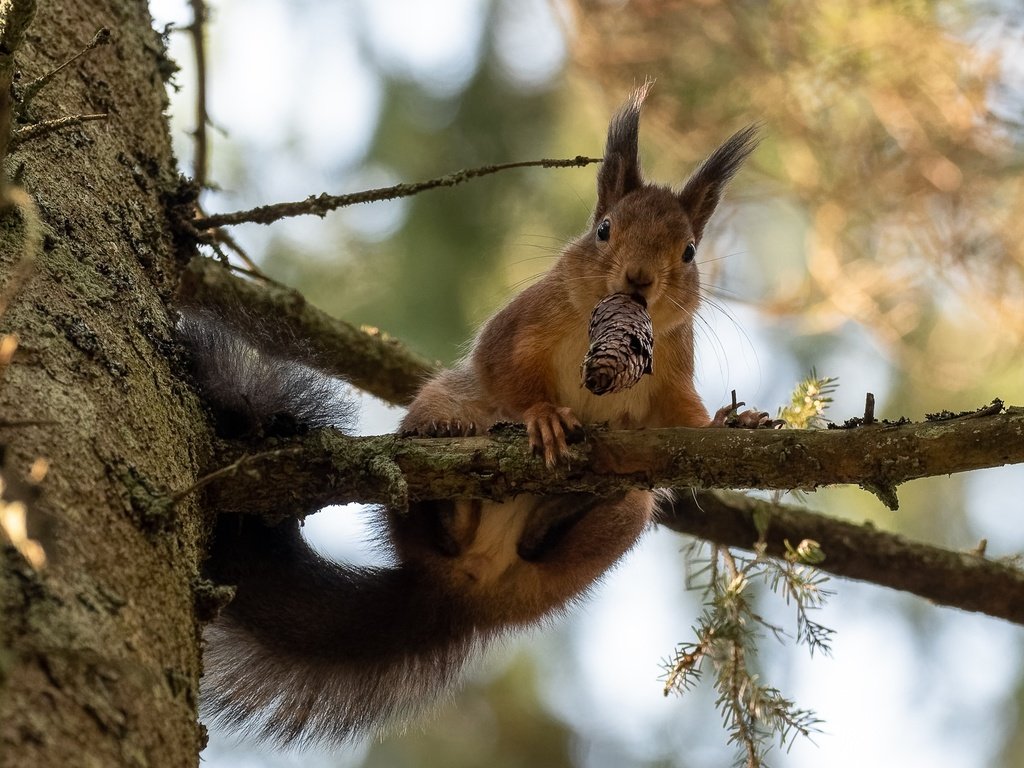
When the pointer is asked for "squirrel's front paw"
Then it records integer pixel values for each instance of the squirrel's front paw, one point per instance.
(548, 427)
(440, 428)
(727, 416)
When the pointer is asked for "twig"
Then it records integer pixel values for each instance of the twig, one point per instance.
(251, 268)
(226, 471)
(198, 31)
(45, 127)
(31, 89)
(730, 561)
(320, 205)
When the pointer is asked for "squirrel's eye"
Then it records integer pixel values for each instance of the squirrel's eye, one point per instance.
(689, 253)
(604, 229)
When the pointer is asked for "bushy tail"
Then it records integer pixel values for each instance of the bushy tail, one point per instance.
(314, 651)
(308, 649)
(252, 378)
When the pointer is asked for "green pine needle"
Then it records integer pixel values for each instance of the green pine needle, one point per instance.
(809, 401)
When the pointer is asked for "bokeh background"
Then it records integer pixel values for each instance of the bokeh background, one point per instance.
(876, 235)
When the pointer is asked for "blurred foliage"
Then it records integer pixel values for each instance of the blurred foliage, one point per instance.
(501, 726)
(887, 194)
(415, 282)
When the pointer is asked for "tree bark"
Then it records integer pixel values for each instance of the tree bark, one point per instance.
(99, 651)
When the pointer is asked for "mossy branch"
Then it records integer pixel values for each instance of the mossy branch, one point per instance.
(323, 468)
(328, 467)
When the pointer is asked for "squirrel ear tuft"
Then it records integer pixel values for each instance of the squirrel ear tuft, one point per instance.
(620, 172)
(703, 190)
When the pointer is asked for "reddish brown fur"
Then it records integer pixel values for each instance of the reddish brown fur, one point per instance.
(524, 367)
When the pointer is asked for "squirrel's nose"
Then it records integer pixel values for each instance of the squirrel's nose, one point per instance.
(637, 278)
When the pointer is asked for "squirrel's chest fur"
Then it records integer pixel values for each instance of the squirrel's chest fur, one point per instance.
(492, 555)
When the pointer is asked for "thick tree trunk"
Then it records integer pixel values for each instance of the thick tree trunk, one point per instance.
(99, 657)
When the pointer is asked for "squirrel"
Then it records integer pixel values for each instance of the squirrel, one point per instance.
(313, 650)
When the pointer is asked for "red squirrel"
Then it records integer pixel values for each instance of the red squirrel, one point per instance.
(312, 650)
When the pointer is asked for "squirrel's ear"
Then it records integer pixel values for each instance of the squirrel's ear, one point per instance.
(703, 190)
(620, 172)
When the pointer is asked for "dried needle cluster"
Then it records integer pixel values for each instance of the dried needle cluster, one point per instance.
(726, 637)
(729, 628)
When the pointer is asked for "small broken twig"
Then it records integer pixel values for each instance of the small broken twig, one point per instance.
(46, 127)
(197, 29)
(31, 89)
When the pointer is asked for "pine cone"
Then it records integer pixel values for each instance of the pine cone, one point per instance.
(621, 344)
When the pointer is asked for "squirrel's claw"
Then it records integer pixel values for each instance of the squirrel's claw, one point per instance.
(441, 428)
(752, 420)
(548, 428)
(722, 414)
(727, 416)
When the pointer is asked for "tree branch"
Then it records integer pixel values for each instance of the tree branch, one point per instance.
(327, 468)
(322, 468)
(330, 468)
(197, 29)
(960, 579)
(46, 127)
(320, 205)
(369, 360)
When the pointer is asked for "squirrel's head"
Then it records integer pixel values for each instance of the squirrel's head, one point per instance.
(644, 236)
